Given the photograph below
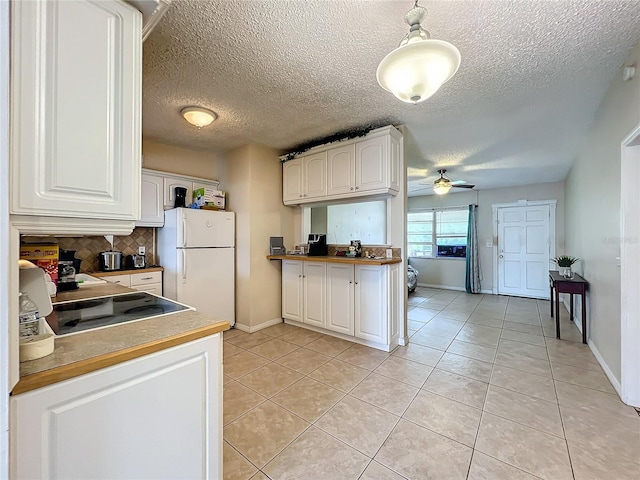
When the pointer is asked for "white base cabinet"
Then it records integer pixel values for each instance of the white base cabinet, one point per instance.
(158, 416)
(150, 282)
(360, 301)
(303, 292)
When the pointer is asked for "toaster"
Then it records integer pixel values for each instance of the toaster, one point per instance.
(136, 261)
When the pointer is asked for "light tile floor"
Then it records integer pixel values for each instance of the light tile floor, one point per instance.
(484, 391)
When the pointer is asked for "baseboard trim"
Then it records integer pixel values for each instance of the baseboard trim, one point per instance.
(449, 287)
(260, 326)
(607, 371)
(361, 341)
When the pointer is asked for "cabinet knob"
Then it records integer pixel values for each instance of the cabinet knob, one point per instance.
(356, 283)
(350, 282)
(357, 188)
(300, 195)
(351, 188)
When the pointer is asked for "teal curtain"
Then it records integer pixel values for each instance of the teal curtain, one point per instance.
(472, 283)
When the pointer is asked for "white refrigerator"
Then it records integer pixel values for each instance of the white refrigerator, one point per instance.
(196, 249)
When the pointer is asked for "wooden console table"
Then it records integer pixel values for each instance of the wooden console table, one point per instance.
(576, 285)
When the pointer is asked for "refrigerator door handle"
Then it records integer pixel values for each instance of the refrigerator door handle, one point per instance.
(184, 230)
(184, 266)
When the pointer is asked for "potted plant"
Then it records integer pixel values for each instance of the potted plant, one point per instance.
(564, 263)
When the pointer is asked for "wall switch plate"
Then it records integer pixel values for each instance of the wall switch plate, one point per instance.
(142, 250)
(389, 253)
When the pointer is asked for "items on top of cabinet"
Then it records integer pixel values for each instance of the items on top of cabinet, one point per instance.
(367, 166)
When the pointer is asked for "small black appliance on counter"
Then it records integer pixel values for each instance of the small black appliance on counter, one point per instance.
(318, 245)
(68, 267)
(136, 261)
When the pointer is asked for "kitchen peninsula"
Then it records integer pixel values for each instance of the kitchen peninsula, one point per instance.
(352, 298)
(148, 392)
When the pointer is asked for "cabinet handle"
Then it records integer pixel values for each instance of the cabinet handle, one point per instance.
(351, 188)
(350, 282)
(357, 188)
(299, 276)
(146, 278)
(300, 196)
(356, 283)
(117, 281)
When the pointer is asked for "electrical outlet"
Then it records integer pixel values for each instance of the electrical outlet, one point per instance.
(142, 250)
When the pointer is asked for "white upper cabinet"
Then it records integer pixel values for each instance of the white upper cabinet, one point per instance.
(372, 160)
(315, 175)
(152, 213)
(292, 181)
(353, 168)
(76, 80)
(305, 178)
(341, 170)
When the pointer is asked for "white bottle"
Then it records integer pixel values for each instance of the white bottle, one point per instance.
(29, 321)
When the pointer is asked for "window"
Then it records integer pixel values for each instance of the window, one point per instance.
(437, 233)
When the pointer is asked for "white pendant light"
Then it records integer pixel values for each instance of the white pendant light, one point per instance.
(419, 66)
(200, 117)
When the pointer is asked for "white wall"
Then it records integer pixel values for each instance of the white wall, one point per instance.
(185, 161)
(255, 183)
(593, 212)
(449, 272)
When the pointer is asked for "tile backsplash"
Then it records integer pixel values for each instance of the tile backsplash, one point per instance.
(88, 248)
(373, 250)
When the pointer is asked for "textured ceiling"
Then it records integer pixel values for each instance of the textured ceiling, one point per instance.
(283, 73)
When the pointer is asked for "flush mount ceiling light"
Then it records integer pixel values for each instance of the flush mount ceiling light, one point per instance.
(419, 66)
(200, 117)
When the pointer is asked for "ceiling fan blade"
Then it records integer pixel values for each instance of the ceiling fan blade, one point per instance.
(463, 186)
(458, 182)
(422, 188)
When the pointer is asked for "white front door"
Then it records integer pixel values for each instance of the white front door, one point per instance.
(524, 246)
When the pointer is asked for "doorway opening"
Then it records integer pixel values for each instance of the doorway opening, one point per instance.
(629, 267)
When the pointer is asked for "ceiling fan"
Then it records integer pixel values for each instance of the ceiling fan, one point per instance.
(443, 184)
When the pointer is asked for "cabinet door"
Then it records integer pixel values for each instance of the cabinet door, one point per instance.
(341, 170)
(157, 416)
(292, 290)
(292, 180)
(152, 211)
(76, 79)
(314, 175)
(315, 279)
(371, 292)
(340, 298)
(170, 184)
(372, 163)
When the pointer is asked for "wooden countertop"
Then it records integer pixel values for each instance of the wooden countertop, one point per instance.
(335, 259)
(125, 272)
(85, 352)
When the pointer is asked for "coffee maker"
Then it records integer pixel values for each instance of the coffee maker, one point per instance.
(318, 245)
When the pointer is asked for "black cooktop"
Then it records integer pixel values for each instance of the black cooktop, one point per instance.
(81, 315)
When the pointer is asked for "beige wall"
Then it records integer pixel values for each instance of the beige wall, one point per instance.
(184, 161)
(593, 212)
(447, 272)
(255, 180)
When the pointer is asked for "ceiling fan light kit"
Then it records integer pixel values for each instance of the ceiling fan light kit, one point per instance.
(415, 70)
(198, 116)
(441, 186)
